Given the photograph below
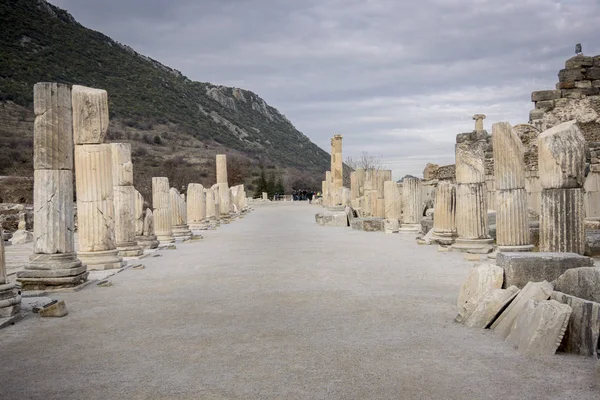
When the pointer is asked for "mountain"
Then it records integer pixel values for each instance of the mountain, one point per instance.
(175, 125)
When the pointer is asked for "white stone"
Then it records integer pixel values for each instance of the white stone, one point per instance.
(489, 305)
(90, 115)
(561, 157)
(481, 279)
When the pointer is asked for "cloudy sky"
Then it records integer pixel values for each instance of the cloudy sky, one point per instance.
(399, 79)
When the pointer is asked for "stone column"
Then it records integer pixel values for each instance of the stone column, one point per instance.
(138, 213)
(94, 180)
(179, 225)
(512, 222)
(393, 206)
(196, 207)
(54, 263)
(265, 196)
(10, 296)
(222, 168)
(211, 208)
(148, 239)
(444, 213)
(328, 195)
(382, 176)
(471, 194)
(124, 200)
(412, 203)
(223, 188)
(369, 207)
(161, 202)
(561, 157)
(337, 170)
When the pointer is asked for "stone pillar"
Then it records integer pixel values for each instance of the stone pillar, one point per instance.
(561, 157)
(412, 203)
(265, 196)
(211, 208)
(382, 176)
(138, 215)
(10, 297)
(196, 207)
(161, 202)
(471, 194)
(124, 200)
(224, 202)
(94, 180)
(179, 225)
(393, 206)
(369, 207)
(54, 263)
(328, 195)
(337, 169)
(222, 168)
(444, 215)
(512, 222)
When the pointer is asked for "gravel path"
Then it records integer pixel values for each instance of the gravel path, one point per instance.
(274, 306)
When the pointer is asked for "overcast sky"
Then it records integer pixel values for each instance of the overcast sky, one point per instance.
(397, 78)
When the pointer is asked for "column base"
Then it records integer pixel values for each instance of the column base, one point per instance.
(443, 238)
(474, 246)
(147, 242)
(225, 218)
(165, 239)
(198, 226)
(181, 232)
(410, 228)
(52, 271)
(131, 249)
(100, 260)
(391, 226)
(10, 300)
(525, 247)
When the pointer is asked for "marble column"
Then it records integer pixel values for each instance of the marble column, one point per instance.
(412, 204)
(337, 169)
(10, 296)
(369, 207)
(148, 239)
(179, 225)
(393, 206)
(382, 175)
(512, 222)
(138, 215)
(211, 209)
(54, 263)
(222, 168)
(328, 194)
(444, 215)
(471, 193)
(223, 188)
(94, 180)
(124, 200)
(196, 207)
(561, 158)
(161, 202)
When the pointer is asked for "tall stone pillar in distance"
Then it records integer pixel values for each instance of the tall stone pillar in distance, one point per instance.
(161, 202)
(512, 221)
(10, 298)
(223, 189)
(211, 209)
(382, 176)
(54, 263)
(124, 200)
(412, 203)
(94, 180)
(444, 215)
(393, 206)
(196, 207)
(471, 193)
(328, 195)
(561, 158)
(337, 170)
(179, 225)
(222, 168)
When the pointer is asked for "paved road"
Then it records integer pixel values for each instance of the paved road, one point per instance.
(274, 306)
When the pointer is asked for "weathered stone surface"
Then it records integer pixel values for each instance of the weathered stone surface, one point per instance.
(444, 216)
(412, 201)
(147, 240)
(533, 290)
(561, 152)
(53, 127)
(90, 115)
(138, 213)
(579, 61)
(196, 206)
(179, 225)
(539, 328)
(337, 172)
(583, 331)
(161, 202)
(542, 95)
(581, 281)
(562, 226)
(58, 309)
(509, 165)
(489, 306)
(393, 201)
(221, 168)
(332, 218)
(21, 236)
(368, 224)
(521, 268)
(10, 299)
(480, 280)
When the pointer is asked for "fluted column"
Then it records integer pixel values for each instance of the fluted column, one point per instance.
(369, 207)
(337, 166)
(147, 239)
(10, 296)
(412, 203)
(179, 225)
(381, 176)
(138, 215)
(222, 168)
(561, 158)
(124, 200)
(161, 202)
(196, 207)
(512, 224)
(393, 206)
(444, 216)
(54, 263)
(211, 209)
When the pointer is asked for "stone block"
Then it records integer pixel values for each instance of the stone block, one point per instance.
(533, 290)
(369, 224)
(565, 85)
(579, 61)
(523, 267)
(90, 115)
(545, 105)
(542, 95)
(592, 73)
(489, 306)
(590, 91)
(583, 332)
(596, 83)
(55, 309)
(570, 74)
(561, 157)
(572, 93)
(536, 114)
(583, 282)
(332, 218)
(583, 84)
(481, 279)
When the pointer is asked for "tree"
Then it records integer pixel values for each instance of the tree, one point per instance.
(279, 188)
(261, 184)
(157, 140)
(365, 161)
(271, 185)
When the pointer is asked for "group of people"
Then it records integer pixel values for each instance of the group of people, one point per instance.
(303, 195)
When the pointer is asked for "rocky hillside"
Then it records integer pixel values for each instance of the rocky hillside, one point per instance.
(170, 120)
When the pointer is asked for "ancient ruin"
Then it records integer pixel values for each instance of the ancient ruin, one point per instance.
(161, 203)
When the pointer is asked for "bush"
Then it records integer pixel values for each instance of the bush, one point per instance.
(157, 140)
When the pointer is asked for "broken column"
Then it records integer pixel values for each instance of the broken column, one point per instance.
(444, 215)
(161, 202)
(512, 221)
(211, 208)
(393, 206)
(179, 225)
(357, 182)
(412, 203)
(124, 200)
(196, 207)
(223, 188)
(561, 155)
(10, 297)
(337, 171)
(94, 180)
(138, 213)
(471, 194)
(383, 175)
(328, 193)
(147, 239)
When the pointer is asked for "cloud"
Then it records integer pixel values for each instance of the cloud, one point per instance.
(398, 79)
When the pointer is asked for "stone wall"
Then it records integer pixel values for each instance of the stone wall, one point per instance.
(444, 172)
(16, 189)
